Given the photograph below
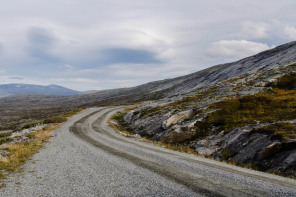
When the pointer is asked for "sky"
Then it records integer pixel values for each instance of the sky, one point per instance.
(106, 44)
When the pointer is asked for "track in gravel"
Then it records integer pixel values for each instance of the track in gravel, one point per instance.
(88, 158)
(175, 166)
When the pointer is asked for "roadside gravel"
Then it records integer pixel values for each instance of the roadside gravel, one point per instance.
(68, 166)
(87, 158)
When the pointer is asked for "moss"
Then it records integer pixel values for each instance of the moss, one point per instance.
(4, 140)
(226, 154)
(203, 128)
(264, 107)
(287, 82)
(279, 131)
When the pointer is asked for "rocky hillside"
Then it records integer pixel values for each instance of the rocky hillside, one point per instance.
(248, 120)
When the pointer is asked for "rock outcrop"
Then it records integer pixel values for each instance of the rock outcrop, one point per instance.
(184, 119)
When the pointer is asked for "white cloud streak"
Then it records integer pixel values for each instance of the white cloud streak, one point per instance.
(254, 30)
(236, 48)
(290, 32)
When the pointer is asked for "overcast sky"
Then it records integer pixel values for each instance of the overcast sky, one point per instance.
(104, 44)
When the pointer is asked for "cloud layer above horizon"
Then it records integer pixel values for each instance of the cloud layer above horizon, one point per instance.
(100, 44)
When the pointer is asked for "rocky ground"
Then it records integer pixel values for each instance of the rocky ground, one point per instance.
(10, 137)
(256, 140)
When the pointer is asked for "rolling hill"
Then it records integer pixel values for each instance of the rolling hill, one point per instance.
(13, 89)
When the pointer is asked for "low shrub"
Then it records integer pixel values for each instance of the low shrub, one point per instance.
(266, 107)
(287, 82)
(4, 140)
(55, 120)
(278, 131)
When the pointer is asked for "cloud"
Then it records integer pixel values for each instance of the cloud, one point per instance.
(41, 37)
(254, 30)
(41, 43)
(236, 48)
(290, 32)
(1, 48)
(69, 67)
(17, 78)
(128, 56)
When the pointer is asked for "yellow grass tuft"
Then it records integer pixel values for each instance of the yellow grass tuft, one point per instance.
(19, 153)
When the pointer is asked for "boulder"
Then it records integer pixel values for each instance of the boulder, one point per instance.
(129, 116)
(177, 118)
(207, 151)
(290, 160)
(270, 150)
(136, 136)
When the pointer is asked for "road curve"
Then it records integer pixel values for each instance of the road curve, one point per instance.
(88, 158)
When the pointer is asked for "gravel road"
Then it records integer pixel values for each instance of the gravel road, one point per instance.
(86, 157)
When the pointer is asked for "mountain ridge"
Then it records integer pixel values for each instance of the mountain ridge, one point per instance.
(20, 88)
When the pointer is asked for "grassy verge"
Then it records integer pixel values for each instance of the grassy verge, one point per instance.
(19, 153)
(118, 124)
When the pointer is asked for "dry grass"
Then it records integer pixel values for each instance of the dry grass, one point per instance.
(266, 107)
(19, 153)
(176, 147)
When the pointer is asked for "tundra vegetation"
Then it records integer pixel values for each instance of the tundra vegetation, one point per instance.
(223, 125)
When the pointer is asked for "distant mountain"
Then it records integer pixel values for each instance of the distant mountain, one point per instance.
(4, 94)
(12, 89)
